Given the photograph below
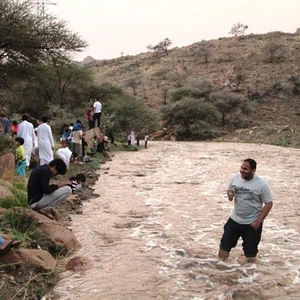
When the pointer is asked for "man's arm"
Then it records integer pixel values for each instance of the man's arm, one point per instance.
(265, 211)
(45, 186)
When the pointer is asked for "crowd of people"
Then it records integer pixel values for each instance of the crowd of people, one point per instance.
(38, 142)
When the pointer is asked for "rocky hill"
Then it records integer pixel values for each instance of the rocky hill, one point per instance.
(265, 68)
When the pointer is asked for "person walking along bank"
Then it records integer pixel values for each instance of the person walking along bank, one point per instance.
(252, 203)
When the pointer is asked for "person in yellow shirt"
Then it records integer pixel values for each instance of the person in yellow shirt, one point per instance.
(20, 157)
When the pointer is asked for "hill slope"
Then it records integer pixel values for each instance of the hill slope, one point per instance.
(259, 66)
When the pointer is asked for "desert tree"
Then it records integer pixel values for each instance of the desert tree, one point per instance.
(26, 38)
(190, 118)
(238, 30)
(227, 103)
(295, 81)
(205, 85)
(161, 46)
(274, 51)
(183, 92)
(204, 52)
(177, 76)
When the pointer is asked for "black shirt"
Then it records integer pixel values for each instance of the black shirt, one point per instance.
(39, 184)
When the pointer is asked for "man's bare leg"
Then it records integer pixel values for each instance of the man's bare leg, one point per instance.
(223, 254)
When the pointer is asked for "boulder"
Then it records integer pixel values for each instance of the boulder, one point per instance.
(10, 258)
(90, 134)
(6, 184)
(7, 166)
(79, 263)
(56, 232)
(5, 192)
(37, 259)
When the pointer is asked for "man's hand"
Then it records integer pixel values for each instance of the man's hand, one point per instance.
(255, 225)
(230, 195)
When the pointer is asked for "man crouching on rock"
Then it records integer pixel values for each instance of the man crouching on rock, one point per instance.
(43, 196)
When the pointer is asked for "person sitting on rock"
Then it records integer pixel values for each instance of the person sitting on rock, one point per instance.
(75, 182)
(43, 196)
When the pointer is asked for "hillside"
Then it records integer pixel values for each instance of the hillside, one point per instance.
(265, 68)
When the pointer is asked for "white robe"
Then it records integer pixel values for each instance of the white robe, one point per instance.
(26, 131)
(64, 154)
(46, 143)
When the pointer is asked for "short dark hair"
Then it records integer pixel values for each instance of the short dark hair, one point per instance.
(45, 119)
(251, 162)
(20, 140)
(81, 177)
(14, 122)
(24, 117)
(60, 165)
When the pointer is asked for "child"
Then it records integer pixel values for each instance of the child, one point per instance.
(20, 157)
(75, 182)
(14, 128)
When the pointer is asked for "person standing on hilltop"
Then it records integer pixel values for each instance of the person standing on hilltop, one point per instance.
(46, 142)
(26, 131)
(252, 203)
(97, 111)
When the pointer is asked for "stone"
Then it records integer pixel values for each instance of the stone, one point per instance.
(5, 192)
(7, 166)
(79, 263)
(37, 259)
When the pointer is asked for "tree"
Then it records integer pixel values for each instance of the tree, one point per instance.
(204, 52)
(26, 39)
(70, 77)
(295, 81)
(191, 92)
(227, 103)
(191, 118)
(238, 30)
(126, 113)
(274, 51)
(161, 46)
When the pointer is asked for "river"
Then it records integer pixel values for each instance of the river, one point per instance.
(154, 231)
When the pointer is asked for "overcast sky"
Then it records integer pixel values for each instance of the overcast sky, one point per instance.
(112, 27)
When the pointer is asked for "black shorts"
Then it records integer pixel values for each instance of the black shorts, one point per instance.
(233, 231)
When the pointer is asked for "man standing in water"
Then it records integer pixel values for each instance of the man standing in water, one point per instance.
(252, 203)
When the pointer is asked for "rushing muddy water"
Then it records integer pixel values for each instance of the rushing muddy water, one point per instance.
(154, 231)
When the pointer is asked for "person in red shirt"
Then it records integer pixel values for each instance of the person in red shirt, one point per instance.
(14, 128)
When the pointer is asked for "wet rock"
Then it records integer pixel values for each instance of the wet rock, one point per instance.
(79, 263)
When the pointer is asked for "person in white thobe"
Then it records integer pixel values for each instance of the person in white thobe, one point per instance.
(64, 154)
(46, 142)
(132, 137)
(26, 131)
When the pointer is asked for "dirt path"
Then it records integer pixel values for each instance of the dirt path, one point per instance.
(154, 232)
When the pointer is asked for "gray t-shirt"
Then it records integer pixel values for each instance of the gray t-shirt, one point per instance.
(249, 198)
